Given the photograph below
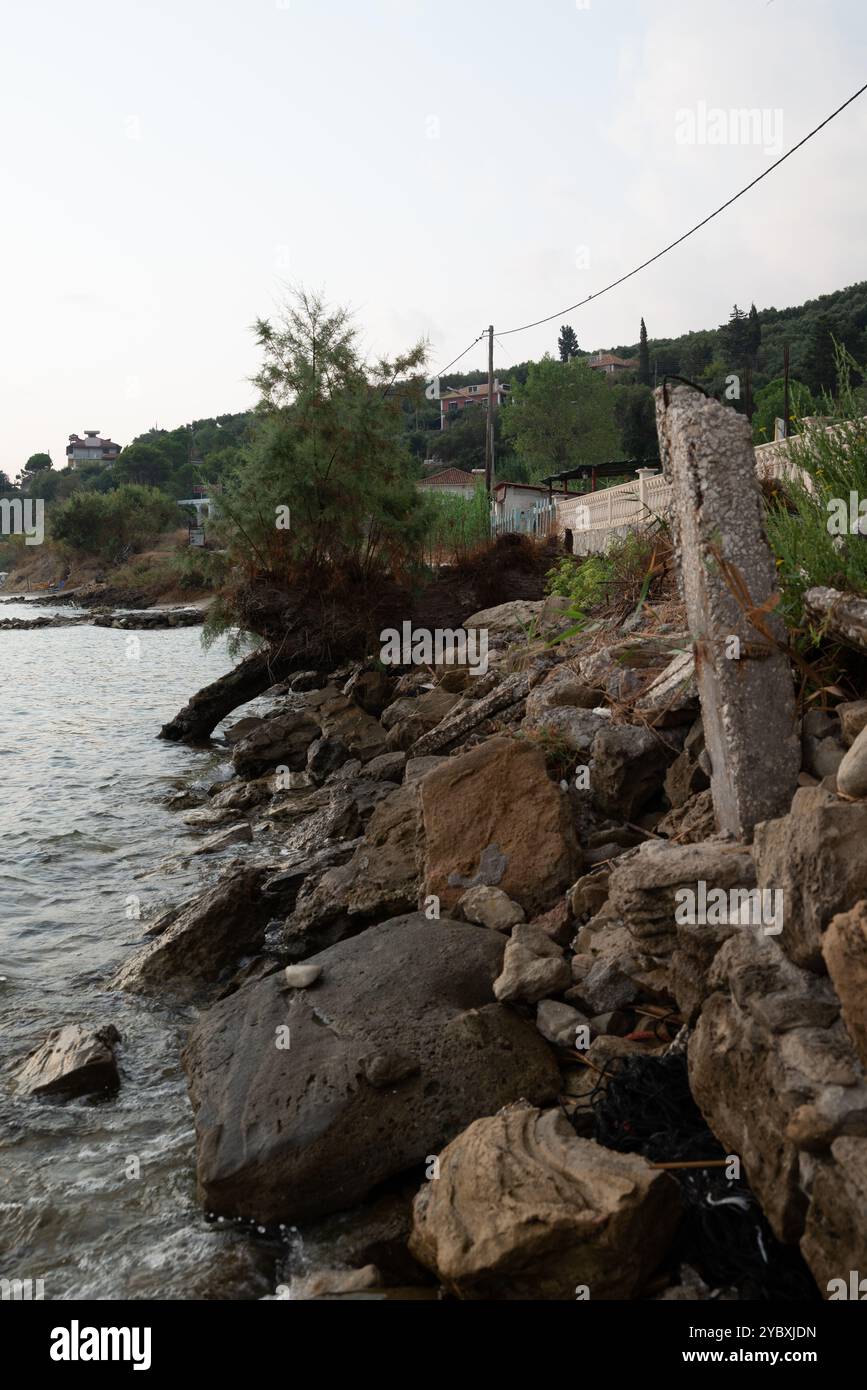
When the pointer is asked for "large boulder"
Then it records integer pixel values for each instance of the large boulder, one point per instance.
(815, 857)
(73, 1061)
(772, 1068)
(524, 1209)
(281, 741)
(194, 945)
(305, 1101)
(493, 816)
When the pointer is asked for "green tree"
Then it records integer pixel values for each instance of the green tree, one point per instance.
(148, 465)
(635, 413)
(37, 463)
(562, 417)
(820, 363)
(643, 357)
(567, 343)
(327, 490)
(5, 482)
(735, 337)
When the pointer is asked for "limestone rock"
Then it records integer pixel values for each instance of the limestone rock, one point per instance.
(836, 1235)
(514, 618)
(294, 1130)
(490, 907)
(558, 1022)
(772, 1069)
(534, 967)
(815, 857)
(524, 1209)
(576, 728)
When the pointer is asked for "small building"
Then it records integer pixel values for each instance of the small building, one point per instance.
(452, 480)
(91, 449)
(460, 398)
(611, 365)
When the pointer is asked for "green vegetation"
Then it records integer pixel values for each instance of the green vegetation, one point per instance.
(455, 526)
(813, 530)
(325, 496)
(622, 575)
(111, 525)
(562, 416)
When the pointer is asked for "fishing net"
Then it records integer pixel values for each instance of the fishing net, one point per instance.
(644, 1105)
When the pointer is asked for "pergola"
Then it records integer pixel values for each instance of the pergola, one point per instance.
(592, 472)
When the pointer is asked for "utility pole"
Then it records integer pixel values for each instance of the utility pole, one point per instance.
(489, 432)
(786, 391)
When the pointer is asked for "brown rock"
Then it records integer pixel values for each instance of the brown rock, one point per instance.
(524, 1209)
(493, 816)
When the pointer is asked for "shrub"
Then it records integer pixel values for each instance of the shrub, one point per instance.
(834, 463)
(110, 525)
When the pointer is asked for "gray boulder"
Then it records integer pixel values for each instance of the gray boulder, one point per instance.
(306, 1101)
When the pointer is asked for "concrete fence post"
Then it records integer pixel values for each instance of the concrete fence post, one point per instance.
(728, 581)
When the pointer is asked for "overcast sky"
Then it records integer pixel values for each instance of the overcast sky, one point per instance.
(168, 167)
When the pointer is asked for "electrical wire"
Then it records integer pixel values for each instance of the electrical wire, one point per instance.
(698, 226)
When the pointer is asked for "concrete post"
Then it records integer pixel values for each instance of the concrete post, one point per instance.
(744, 677)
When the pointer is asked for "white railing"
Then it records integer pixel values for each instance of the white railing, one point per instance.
(538, 520)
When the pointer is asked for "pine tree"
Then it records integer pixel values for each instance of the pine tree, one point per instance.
(735, 337)
(643, 357)
(567, 343)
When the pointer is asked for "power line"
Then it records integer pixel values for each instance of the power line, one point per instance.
(560, 312)
(442, 371)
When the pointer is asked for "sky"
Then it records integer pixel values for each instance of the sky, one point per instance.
(168, 170)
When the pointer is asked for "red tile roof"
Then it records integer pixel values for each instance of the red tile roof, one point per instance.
(450, 477)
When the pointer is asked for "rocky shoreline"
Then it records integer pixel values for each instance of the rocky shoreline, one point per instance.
(453, 912)
(460, 915)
